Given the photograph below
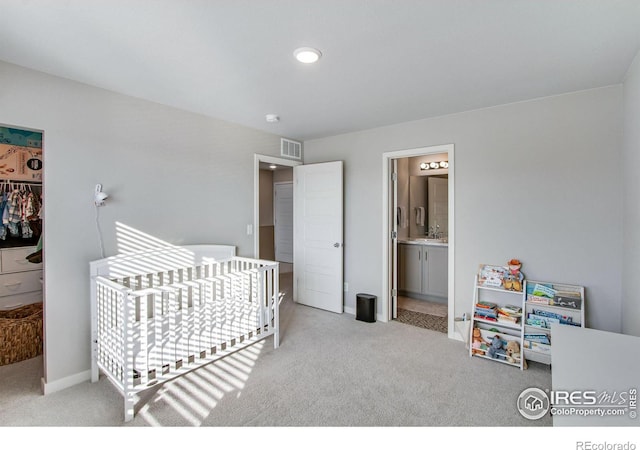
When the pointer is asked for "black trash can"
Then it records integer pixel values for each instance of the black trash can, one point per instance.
(366, 307)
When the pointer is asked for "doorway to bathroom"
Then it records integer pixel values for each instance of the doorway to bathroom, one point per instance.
(418, 237)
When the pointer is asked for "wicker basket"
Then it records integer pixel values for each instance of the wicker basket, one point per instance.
(20, 333)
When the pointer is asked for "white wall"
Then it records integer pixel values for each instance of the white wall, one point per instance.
(631, 161)
(539, 181)
(177, 176)
(592, 360)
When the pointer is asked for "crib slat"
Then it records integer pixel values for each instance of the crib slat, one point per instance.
(263, 308)
(192, 293)
(268, 298)
(169, 349)
(143, 324)
(256, 301)
(111, 341)
(219, 295)
(212, 319)
(155, 365)
(185, 324)
(194, 327)
(222, 311)
(275, 306)
(127, 305)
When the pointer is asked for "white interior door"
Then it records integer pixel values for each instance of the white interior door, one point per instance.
(395, 219)
(283, 218)
(317, 230)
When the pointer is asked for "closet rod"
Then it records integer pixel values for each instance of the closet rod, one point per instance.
(21, 182)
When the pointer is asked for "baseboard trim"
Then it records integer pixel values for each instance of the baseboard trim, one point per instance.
(352, 311)
(64, 383)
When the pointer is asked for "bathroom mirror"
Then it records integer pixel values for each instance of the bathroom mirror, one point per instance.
(428, 205)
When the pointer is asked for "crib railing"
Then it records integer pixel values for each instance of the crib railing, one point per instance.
(149, 328)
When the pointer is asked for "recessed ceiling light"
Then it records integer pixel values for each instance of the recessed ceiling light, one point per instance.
(272, 118)
(272, 166)
(307, 55)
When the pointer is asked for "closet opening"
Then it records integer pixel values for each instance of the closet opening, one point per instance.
(273, 215)
(21, 245)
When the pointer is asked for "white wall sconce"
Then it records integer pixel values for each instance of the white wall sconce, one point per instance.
(434, 165)
(99, 196)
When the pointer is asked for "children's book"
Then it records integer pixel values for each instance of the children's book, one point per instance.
(491, 276)
(535, 337)
(543, 290)
(486, 305)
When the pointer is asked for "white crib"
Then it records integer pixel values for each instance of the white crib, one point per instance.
(161, 313)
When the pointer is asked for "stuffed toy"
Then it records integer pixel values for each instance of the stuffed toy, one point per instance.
(477, 343)
(513, 278)
(513, 353)
(495, 347)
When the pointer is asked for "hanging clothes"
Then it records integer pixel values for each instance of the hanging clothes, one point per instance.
(3, 205)
(24, 223)
(14, 213)
(20, 210)
(32, 213)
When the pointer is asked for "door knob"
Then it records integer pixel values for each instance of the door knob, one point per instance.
(336, 245)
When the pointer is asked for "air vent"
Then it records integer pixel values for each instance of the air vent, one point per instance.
(290, 149)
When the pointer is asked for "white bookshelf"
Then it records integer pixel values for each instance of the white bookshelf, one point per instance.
(506, 330)
(565, 302)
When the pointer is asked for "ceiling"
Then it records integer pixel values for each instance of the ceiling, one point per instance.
(384, 61)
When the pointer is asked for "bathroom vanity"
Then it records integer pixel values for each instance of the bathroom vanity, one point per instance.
(423, 268)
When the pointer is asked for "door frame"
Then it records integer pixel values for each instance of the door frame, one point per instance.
(257, 159)
(387, 214)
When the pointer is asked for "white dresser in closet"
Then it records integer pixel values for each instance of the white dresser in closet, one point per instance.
(20, 280)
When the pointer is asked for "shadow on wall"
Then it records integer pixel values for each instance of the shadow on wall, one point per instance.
(131, 241)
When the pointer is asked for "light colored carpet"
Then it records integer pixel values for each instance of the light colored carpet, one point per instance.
(330, 370)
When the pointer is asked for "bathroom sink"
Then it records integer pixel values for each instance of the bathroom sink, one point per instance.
(430, 240)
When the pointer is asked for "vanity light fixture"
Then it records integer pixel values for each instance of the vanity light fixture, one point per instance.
(307, 55)
(434, 165)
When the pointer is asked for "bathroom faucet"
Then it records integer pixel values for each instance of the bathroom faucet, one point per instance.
(434, 233)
